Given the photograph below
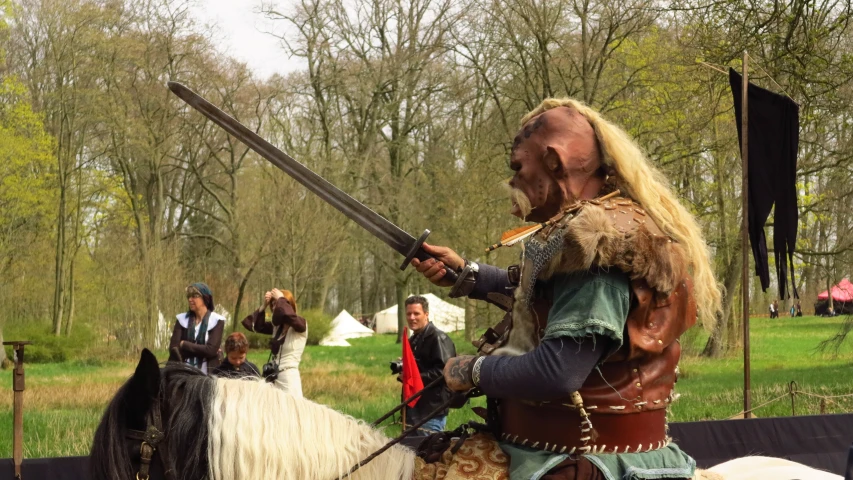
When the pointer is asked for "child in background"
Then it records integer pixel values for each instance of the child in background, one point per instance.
(235, 364)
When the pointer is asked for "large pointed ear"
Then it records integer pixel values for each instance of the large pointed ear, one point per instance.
(141, 390)
(554, 159)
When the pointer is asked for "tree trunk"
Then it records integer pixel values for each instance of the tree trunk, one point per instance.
(59, 285)
(69, 318)
(400, 290)
(2, 348)
(152, 297)
(328, 278)
(829, 289)
(470, 319)
(240, 293)
(363, 280)
(714, 346)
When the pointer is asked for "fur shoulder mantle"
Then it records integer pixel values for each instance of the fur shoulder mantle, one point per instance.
(612, 233)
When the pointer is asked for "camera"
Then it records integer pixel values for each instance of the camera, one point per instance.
(270, 371)
(396, 367)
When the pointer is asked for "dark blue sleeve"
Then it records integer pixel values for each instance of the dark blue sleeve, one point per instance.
(491, 279)
(553, 370)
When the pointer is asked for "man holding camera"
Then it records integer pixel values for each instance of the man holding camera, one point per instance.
(431, 348)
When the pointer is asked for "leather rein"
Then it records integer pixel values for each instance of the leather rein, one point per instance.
(153, 438)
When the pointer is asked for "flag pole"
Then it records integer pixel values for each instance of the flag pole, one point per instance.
(744, 153)
(403, 389)
(403, 410)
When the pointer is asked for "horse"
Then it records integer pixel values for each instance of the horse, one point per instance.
(176, 423)
(205, 427)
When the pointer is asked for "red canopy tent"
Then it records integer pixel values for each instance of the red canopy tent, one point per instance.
(842, 299)
(843, 292)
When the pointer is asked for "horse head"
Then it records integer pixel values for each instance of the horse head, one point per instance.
(146, 425)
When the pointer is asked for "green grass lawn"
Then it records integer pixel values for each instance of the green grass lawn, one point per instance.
(64, 401)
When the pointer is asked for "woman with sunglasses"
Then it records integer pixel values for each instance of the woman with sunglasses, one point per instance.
(197, 335)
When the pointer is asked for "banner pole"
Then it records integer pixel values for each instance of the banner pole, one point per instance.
(744, 154)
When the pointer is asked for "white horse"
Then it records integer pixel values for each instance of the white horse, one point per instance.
(223, 429)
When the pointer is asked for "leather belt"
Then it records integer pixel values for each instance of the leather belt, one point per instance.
(557, 428)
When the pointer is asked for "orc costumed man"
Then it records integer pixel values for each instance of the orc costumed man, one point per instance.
(580, 374)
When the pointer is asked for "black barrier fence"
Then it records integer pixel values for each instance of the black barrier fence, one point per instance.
(819, 441)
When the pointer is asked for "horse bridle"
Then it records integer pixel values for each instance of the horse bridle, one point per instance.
(153, 438)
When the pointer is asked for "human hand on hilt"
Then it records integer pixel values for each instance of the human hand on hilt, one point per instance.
(435, 269)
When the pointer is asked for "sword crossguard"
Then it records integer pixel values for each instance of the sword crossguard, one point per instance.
(418, 252)
(413, 252)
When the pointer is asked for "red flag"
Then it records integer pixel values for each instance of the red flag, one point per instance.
(411, 377)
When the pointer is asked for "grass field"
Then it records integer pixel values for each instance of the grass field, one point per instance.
(64, 401)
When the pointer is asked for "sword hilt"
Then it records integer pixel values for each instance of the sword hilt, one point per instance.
(418, 252)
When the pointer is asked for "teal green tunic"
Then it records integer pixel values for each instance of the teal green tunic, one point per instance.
(585, 305)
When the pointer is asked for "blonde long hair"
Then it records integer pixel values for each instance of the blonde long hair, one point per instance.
(641, 181)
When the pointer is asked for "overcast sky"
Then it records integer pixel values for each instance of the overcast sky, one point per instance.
(240, 33)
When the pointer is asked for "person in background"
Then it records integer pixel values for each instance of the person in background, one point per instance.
(235, 364)
(197, 334)
(432, 349)
(774, 309)
(289, 335)
(799, 309)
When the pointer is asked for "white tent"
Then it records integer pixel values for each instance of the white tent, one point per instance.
(446, 316)
(344, 326)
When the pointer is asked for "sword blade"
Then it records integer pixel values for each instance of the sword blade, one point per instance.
(376, 224)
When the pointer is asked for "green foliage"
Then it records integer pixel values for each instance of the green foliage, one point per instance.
(26, 195)
(257, 341)
(84, 346)
(319, 324)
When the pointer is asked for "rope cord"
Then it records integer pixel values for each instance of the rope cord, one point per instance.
(788, 394)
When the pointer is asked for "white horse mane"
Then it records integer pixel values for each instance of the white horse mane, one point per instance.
(258, 432)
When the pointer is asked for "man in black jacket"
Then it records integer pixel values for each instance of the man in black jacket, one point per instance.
(432, 348)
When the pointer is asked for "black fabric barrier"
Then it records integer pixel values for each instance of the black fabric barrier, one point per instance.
(819, 441)
(56, 468)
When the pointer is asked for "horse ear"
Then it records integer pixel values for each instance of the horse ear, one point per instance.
(142, 388)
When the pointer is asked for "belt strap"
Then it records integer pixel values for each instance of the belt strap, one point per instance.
(557, 428)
